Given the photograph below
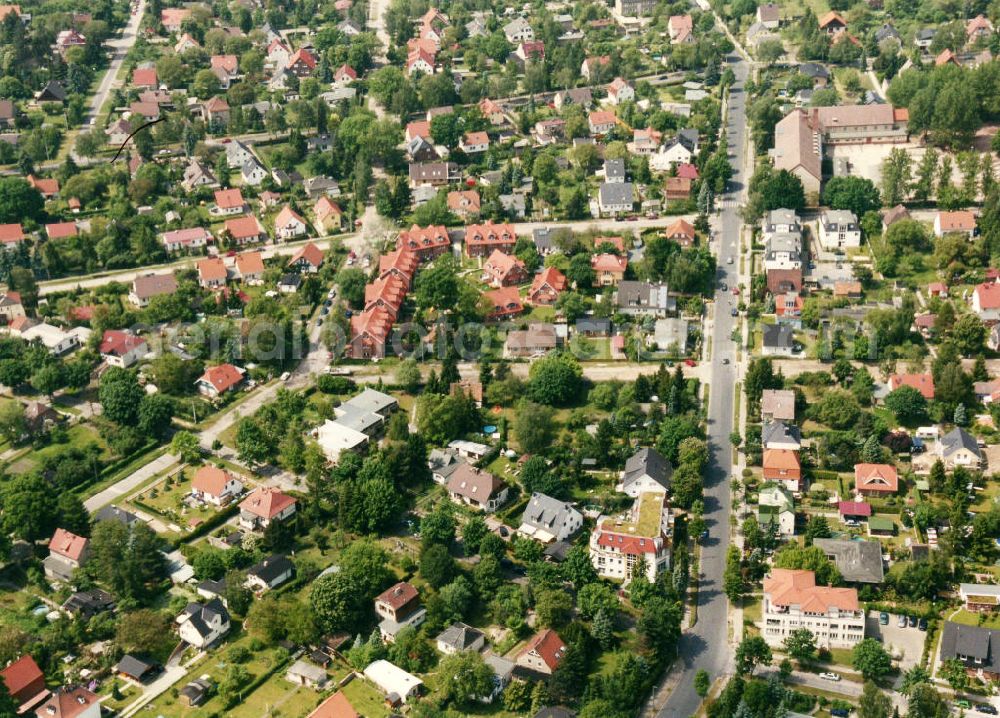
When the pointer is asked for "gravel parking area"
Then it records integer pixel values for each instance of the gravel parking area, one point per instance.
(907, 643)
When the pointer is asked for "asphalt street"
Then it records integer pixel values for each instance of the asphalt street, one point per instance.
(706, 646)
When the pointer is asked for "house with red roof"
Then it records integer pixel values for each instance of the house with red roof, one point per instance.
(793, 600)
(229, 202)
(301, 63)
(681, 232)
(387, 292)
(482, 239)
(986, 301)
(547, 286)
(465, 203)
(186, 239)
(492, 111)
(609, 269)
(49, 188)
(978, 27)
(686, 170)
(398, 607)
(681, 29)
(620, 91)
(11, 235)
(854, 511)
(70, 702)
(25, 682)
(122, 348)
(289, 224)
(784, 467)
(264, 506)
(620, 545)
(212, 273)
(215, 486)
(924, 383)
(67, 552)
(145, 77)
(309, 258)
(173, 17)
(875, 479)
(418, 128)
(958, 222)
(244, 230)
(336, 706)
(369, 333)
(832, 23)
(543, 653)
(504, 270)
(474, 143)
(401, 263)
(421, 61)
(504, 303)
(329, 216)
(427, 242)
(61, 230)
(345, 75)
(249, 267)
(591, 65)
(217, 380)
(601, 122)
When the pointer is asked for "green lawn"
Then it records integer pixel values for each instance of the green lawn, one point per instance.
(366, 699)
(77, 436)
(968, 618)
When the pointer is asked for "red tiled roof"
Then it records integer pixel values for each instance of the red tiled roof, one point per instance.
(787, 587)
(549, 646)
(266, 502)
(681, 228)
(398, 596)
(67, 703)
(428, 237)
(21, 673)
(223, 377)
(924, 383)
(119, 343)
(243, 227)
(608, 263)
(211, 480)
(11, 233)
(211, 269)
(144, 77)
(312, 254)
(876, 477)
(375, 322)
(336, 706)
(229, 198)
(304, 56)
(550, 276)
(505, 300)
(249, 263)
(988, 294)
(65, 543)
(854, 508)
(60, 230)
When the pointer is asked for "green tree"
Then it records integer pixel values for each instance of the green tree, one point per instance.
(926, 702)
(873, 702)
(144, 631)
(436, 566)
(753, 651)
(702, 682)
(186, 445)
(800, 644)
(120, 396)
(896, 175)
(871, 659)
(534, 426)
(555, 380)
(19, 201)
(953, 671)
(856, 194)
(907, 403)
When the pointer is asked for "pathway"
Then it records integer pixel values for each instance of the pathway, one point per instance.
(131, 482)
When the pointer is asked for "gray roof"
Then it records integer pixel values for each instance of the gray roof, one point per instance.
(781, 216)
(643, 295)
(970, 644)
(647, 462)
(614, 168)
(857, 561)
(113, 513)
(132, 666)
(617, 193)
(543, 238)
(545, 512)
(959, 438)
(271, 568)
(778, 335)
(842, 218)
(201, 613)
(885, 32)
(370, 400)
(814, 70)
(459, 636)
(789, 242)
(780, 431)
(688, 137)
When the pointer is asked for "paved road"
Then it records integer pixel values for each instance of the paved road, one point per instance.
(358, 242)
(130, 482)
(707, 645)
(120, 47)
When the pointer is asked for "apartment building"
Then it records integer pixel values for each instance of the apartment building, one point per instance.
(792, 600)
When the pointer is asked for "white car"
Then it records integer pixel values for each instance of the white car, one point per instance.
(830, 676)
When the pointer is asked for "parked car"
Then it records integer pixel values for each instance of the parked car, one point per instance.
(840, 712)
(901, 622)
(962, 703)
(986, 708)
(912, 620)
(735, 312)
(883, 618)
(827, 676)
(922, 624)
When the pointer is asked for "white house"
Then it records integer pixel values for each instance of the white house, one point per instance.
(839, 229)
(792, 600)
(620, 91)
(203, 624)
(518, 30)
(620, 544)
(289, 224)
(547, 519)
(986, 301)
(393, 680)
(237, 154)
(646, 470)
(776, 504)
(121, 348)
(615, 198)
(215, 486)
(269, 573)
(253, 173)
